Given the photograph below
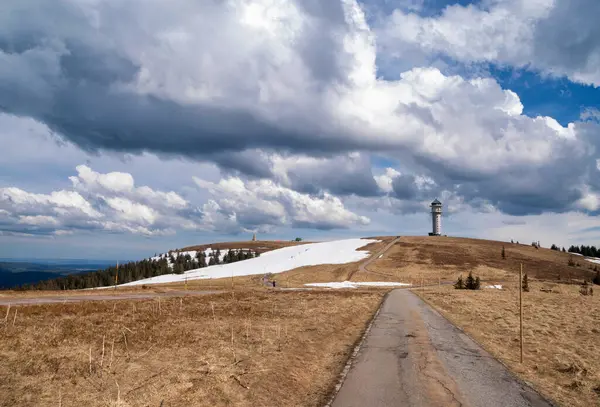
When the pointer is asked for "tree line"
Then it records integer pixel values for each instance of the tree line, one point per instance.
(588, 251)
(173, 262)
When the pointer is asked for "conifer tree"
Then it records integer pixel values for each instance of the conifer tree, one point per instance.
(470, 283)
(596, 279)
(459, 285)
(525, 283)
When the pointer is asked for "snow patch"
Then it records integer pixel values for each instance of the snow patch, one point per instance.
(495, 286)
(355, 284)
(275, 261)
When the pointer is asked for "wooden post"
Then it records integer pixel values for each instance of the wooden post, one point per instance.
(521, 310)
(117, 275)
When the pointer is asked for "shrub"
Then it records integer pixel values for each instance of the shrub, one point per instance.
(571, 262)
(585, 289)
(459, 285)
(503, 253)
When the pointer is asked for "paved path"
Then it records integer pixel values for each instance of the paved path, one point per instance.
(414, 357)
(50, 299)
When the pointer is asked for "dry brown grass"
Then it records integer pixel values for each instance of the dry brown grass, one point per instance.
(561, 334)
(445, 258)
(267, 349)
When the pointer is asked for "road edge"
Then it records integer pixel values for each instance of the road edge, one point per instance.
(352, 357)
(518, 379)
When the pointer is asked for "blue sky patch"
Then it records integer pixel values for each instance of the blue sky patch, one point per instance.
(545, 96)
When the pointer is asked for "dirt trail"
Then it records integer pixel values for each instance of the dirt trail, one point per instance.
(362, 267)
(413, 356)
(99, 297)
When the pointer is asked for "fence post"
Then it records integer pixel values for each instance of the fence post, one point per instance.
(521, 310)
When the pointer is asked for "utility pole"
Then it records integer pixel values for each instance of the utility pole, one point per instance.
(521, 310)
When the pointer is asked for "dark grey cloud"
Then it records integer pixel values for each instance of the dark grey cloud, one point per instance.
(338, 176)
(568, 40)
(404, 187)
(71, 79)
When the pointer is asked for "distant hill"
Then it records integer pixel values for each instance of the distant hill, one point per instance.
(14, 273)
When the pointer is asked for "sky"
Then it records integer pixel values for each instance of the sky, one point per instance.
(134, 127)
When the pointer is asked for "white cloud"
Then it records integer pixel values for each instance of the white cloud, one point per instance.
(557, 37)
(256, 204)
(104, 202)
(384, 181)
(38, 220)
(111, 202)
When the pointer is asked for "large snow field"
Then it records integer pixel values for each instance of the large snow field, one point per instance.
(355, 284)
(275, 261)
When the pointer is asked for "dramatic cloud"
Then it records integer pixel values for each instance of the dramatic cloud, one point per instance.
(556, 37)
(285, 101)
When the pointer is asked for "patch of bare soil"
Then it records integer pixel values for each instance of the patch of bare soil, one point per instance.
(253, 349)
(561, 334)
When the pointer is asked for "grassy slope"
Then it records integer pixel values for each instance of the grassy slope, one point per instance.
(267, 349)
(433, 258)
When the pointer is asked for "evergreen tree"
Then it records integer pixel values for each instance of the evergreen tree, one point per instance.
(477, 285)
(525, 283)
(596, 279)
(503, 253)
(470, 283)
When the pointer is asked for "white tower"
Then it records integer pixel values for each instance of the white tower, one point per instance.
(436, 218)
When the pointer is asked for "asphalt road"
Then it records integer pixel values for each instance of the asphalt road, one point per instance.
(50, 299)
(414, 357)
